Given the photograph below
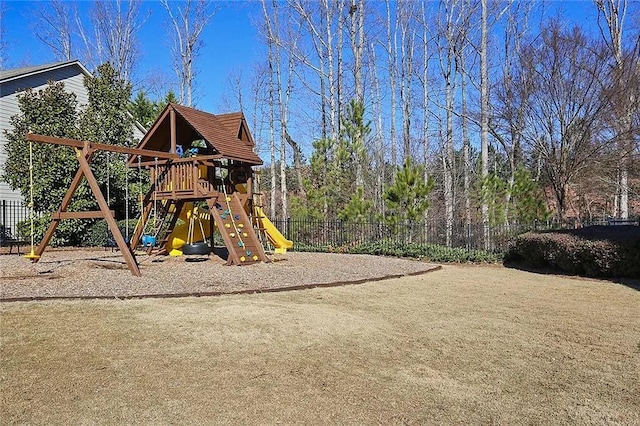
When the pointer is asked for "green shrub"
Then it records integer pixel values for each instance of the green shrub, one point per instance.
(70, 232)
(430, 252)
(595, 251)
(99, 235)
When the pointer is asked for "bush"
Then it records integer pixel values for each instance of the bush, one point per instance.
(597, 251)
(68, 233)
(430, 252)
(99, 235)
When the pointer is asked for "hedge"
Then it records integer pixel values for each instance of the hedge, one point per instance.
(597, 251)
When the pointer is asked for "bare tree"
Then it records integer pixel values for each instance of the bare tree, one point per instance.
(511, 94)
(451, 38)
(484, 113)
(423, 78)
(611, 20)
(466, 143)
(188, 20)
(3, 41)
(406, 17)
(272, 137)
(571, 95)
(356, 13)
(379, 131)
(55, 27)
(392, 48)
(111, 35)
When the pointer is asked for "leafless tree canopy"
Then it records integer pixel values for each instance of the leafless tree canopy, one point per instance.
(187, 20)
(488, 97)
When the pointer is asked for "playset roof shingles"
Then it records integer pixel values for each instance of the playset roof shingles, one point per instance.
(227, 134)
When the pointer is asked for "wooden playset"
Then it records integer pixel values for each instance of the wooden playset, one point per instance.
(194, 159)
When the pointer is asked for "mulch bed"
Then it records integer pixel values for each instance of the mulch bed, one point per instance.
(88, 274)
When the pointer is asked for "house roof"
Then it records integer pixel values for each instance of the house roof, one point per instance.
(224, 136)
(8, 75)
(18, 73)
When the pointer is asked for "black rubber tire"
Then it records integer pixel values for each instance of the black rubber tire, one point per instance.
(196, 248)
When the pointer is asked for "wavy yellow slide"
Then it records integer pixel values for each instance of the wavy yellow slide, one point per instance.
(275, 237)
(273, 234)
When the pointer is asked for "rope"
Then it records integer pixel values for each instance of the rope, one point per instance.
(140, 183)
(155, 190)
(108, 179)
(32, 254)
(195, 215)
(126, 198)
(140, 221)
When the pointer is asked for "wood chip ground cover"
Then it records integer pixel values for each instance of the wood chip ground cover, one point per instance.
(99, 273)
(461, 345)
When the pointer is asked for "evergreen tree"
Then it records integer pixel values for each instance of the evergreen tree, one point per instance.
(358, 209)
(528, 200)
(107, 120)
(53, 112)
(408, 198)
(493, 190)
(319, 186)
(352, 152)
(144, 111)
(49, 111)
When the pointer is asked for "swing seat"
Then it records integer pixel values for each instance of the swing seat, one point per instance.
(201, 248)
(32, 255)
(148, 241)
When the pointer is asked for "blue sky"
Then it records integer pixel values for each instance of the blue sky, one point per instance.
(231, 42)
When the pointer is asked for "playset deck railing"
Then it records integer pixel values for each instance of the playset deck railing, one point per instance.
(182, 179)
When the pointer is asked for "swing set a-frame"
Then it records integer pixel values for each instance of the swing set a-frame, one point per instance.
(217, 170)
(84, 153)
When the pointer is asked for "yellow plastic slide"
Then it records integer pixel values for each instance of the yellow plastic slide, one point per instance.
(275, 237)
(180, 233)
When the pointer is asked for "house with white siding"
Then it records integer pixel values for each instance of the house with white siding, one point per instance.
(12, 83)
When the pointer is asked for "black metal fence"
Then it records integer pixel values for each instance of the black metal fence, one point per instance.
(309, 234)
(11, 214)
(315, 234)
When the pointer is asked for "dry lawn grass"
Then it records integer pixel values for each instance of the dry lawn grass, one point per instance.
(460, 345)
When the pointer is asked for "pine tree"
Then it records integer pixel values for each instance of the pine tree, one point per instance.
(408, 198)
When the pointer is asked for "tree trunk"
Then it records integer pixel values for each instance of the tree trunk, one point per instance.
(484, 117)
(391, 60)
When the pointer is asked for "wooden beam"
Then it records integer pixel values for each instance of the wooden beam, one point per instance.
(172, 125)
(63, 207)
(101, 146)
(93, 214)
(204, 159)
(104, 207)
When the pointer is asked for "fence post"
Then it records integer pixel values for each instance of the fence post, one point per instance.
(4, 212)
(288, 227)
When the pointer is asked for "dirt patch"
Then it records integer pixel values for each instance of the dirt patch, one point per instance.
(103, 274)
(462, 345)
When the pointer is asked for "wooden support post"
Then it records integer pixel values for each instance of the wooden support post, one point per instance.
(172, 126)
(104, 207)
(63, 207)
(84, 157)
(194, 178)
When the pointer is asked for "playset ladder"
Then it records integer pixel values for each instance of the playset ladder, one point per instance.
(236, 229)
